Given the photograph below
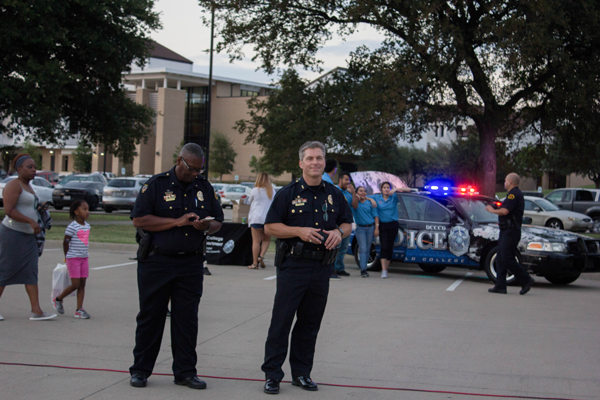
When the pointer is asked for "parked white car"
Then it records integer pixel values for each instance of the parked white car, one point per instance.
(120, 193)
(233, 192)
(42, 188)
(544, 213)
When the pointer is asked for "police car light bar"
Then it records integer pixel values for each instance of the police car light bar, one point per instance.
(436, 187)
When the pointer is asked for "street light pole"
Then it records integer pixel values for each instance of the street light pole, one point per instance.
(209, 105)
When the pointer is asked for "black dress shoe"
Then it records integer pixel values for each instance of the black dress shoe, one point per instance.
(206, 271)
(496, 290)
(525, 288)
(271, 386)
(193, 382)
(305, 383)
(343, 273)
(138, 380)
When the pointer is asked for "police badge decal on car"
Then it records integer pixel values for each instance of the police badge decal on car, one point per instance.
(458, 240)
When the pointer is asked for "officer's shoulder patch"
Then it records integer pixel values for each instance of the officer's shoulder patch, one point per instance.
(144, 188)
(511, 196)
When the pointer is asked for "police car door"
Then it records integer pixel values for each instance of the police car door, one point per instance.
(427, 230)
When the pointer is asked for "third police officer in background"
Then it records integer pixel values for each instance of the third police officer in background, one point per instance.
(510, 217)
(309, 217)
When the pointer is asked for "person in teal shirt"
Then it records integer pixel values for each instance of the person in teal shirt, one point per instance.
(387, 210)
(350, 194)
(366, 218)
(330, 170)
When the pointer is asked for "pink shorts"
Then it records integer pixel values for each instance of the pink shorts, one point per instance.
(78, 267)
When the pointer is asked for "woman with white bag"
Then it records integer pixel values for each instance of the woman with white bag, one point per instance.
(18, 245)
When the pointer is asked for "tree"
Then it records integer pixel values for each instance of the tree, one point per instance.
(83, 157)
(258, 165)
(499, 63)
(61, 70)
(177, 151)
(34, 152)
(222, 155)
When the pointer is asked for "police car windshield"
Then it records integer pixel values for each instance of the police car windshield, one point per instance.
(475, 209)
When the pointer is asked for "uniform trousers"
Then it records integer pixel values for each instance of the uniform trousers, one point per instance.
(506, 259)
(302, 289)
(160, 279)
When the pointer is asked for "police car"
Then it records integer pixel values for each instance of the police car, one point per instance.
(448, 226)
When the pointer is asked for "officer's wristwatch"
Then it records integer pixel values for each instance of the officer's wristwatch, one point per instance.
(341, 231)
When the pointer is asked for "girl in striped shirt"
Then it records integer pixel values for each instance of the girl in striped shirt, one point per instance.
(75, 246)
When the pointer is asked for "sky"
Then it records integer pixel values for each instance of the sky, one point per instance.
(184, 33)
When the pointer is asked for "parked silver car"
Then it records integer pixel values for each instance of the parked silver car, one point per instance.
(233, 192)
(120, 193)
(544, 213)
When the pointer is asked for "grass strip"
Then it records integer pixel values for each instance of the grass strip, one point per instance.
(64, 216)
(124, 234)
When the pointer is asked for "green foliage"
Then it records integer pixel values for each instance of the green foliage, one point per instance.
(503, 64)
(222, 155)
(61, 70)
(83, 157)
(177, 151)
(34, 151)
(258, 165)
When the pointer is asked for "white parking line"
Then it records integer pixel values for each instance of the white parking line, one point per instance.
(458, 282)
(271, 278)
(116, 265)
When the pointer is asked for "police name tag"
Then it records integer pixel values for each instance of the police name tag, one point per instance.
(169, 196)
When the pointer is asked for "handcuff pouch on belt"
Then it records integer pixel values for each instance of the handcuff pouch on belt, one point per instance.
(296, 250)
(145, 241)
(511, 223)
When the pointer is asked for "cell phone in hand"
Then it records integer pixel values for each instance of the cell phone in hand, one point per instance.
(208, 219)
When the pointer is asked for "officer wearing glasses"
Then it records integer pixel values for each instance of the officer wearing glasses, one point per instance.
(310, 216)
(177, 208)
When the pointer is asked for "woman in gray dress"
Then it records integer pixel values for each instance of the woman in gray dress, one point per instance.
(18, 246)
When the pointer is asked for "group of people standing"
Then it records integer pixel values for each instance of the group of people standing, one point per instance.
(19, 252)
(374, 216)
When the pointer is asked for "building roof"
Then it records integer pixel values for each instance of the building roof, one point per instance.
(157, 50)
(160, 73)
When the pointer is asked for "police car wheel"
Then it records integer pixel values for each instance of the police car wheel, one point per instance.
(373, 263)
(108, 209)
(490, 268)
(432, 268)
(562, 280)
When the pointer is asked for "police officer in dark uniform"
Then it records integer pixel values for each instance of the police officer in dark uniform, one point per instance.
(510, 217)
(309, 217)
(177, 209)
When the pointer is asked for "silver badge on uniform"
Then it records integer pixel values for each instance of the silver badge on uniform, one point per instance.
(200, 196)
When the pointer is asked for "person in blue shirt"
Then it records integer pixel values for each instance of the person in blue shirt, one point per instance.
(366, 219)
(330, 170)
(350, 194)
(387, 210)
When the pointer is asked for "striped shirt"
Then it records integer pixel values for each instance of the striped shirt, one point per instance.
(80, 239)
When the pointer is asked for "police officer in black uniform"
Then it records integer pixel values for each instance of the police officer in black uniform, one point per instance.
(175, 208)
(510, 217)
(309, 217)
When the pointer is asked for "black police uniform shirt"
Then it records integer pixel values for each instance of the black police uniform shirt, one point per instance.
(164, 195)
(515, 204)
(298, 204)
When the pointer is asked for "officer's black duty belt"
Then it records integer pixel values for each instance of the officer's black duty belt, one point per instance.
(309, 254)
(157, 251)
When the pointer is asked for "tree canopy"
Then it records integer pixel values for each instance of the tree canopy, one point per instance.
(502, 64)
(222, 155)
(61, 66)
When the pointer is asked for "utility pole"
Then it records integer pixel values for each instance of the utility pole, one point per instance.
(209, 105)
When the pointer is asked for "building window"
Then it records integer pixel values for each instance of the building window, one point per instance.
(248, 93)
(65, 163)
(196, 116)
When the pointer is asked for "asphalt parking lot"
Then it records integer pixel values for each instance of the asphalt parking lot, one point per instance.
(412, 336)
